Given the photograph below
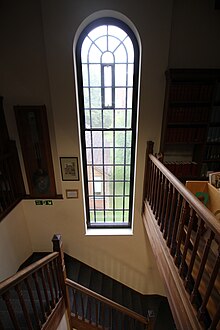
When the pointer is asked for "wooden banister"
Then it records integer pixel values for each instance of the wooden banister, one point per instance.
(107, 301)
(185, 237)
(26, 272)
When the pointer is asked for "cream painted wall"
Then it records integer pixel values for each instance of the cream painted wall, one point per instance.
(15, 244)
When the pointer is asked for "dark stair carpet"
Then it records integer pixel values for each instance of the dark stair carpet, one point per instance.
(81, 273)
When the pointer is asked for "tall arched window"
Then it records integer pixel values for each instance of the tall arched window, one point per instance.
(107, 60)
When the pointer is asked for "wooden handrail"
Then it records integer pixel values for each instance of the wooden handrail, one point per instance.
(27, 271)
(185, 237)
(107, 301)
(199, 207)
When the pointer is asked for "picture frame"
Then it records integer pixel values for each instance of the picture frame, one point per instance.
(69, 168)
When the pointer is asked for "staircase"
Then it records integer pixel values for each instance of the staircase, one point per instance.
(185, 238)
(154, 306)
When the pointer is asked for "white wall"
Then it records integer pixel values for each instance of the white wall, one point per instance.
(15, 244)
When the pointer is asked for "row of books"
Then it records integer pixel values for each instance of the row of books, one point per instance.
(213, 134)
(212, 153)
(185, 135)
(182, 169)
(190, 93)
(188, 114)
(215, 117)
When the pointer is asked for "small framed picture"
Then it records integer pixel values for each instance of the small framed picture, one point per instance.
(69, 168)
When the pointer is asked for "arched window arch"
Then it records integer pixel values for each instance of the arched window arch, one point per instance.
(107, 63)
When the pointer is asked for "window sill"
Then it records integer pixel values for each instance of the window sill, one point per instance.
(109, 232)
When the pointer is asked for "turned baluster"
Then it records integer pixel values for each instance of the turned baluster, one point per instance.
(155, 190)
(53, 272)
(180, 235)
(89, 311)
(171, 217)
(160, 202)
(38, 322)
(202, 266)
(48, 307)
(75, 309)
(162, 217)
(176, 225)
(39, 296)
(158, 194)
(187, 241)
(211, 283)
(23, 306)
(6, 297)
(168, 204)
(96, 313)
(151, 182)
(47, 271)
(194, 251)
(82, 305)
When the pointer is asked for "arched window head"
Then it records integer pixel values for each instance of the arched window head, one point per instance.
(107, 58)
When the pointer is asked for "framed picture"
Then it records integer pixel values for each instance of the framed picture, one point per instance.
(69, 168)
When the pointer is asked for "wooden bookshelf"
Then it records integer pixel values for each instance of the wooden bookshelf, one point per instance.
(190, 139)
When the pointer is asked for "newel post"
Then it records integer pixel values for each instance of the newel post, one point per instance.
(58, 247)
(149, 150)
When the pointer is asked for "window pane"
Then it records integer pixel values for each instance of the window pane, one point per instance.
(97, 156)
(86, 97)
(96, 139)
(130, 49)
(96, 118)
(120, 97)
(95, 94)
(120, 54)
(120, 75)
(119, 172)
(120, 139)
(89, 156)
(120, 119)
(85, 48)
(94, 54)
(108, 139)
(95, 75)
(108, 118)
(113, 43)
(119, 156)
(85, 74)
(98, 32)
(101, 43)
(128, 119)
(108, 156)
